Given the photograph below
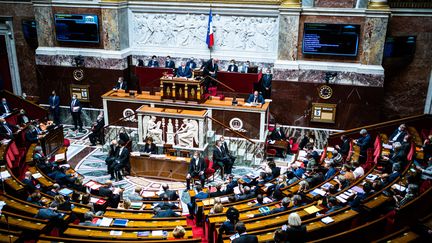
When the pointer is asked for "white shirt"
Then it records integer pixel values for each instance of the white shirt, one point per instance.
(358, 172)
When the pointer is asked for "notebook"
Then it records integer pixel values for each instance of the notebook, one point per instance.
(312, 209)
(65, 191)
(120, 222)
(106, 222)
(136, 205)
(327, 220)
(264, 210)
(143, 233)
(116, 232)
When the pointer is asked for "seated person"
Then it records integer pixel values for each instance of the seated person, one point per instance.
(245, 67)
(331, 170)
(398, 135)
(426, 171)
(159, 213)
(364, 142)
(244, 237)
(274, 170)
(294, 232)
(49, 213)
(184, 71)
(149, 147)
(5, 108)
(232, 67)
(396, 173)
(228, 227)
(97, 130)
(191, 63)
(36, 199)
(285, 206)
(358, 170)
(192, 205)
(279, 135)
(245, 193)
(88, 219)
(169, 63)
(121, 84)
(30, 183)
(61, 177)
(427, 148)
(255, 98)
(397, 156)
(153, 62)
(31, 134)
(332, 205)
(345, 145)
(179, 232)
(6, 130)
(218, 191)
(196, 169)
(136, 195)
(23, 118)
(172, 195)
(231, 184)
(411, 193)
(54, 190)
(121, 162)
(358, 198)
(165, 204)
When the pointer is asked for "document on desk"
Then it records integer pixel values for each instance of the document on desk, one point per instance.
(327, 220)
(37, 175)
(106, 222)
(4, 175)
(312, 209)
(59, 157)
(116, 232)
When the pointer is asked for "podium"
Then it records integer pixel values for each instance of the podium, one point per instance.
(183, 89)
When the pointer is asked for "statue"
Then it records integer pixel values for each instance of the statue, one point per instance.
(152, 129)
(188, 133)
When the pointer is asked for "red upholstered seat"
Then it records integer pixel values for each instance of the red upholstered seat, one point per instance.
(271, 152)
(294, 146)
(323, 154)
(66, 142)
(411, 152)
(209, 171)
(350, 152)
(212, 91)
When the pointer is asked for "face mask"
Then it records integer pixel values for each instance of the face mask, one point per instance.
(195, 157)
(278, 129)
(232, 63)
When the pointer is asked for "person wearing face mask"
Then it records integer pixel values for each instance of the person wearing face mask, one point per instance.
(6, 129)
(153, 62)
(245, 67)
(97, 130)
(184, 71)
(226, 151)
(232, 66)
(32, 135)
(4, 107)
(255, 98)
(23, 118)
(196, 169)
(191, 64)
(75, 109)
(169, 63)
(54, 107)
(266, 84)
(121, 84)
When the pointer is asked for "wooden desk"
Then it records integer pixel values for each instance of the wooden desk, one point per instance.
(52, 141)
(280, 144)
(168, 168)
(184, 89)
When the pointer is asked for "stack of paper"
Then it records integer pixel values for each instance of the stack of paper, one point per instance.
(312, 209)
(116, 232)
(327, 220)
(37, 175)
(106, 222)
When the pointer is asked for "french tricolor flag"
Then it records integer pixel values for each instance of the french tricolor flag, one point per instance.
(210, 36)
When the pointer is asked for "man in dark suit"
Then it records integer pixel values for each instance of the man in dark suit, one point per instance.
(398, 135)
(279, 135)
(30, 184)
(220, 160)
(159, 213)
(6, 129)
(5, 107)
(97, 130)
(172, 195)
(345, 146)
(191, 64)
(31, 134)
(23, 118)
(149, 146)
(210, 68)
(184, 71)
(231, 184)
(106, 190)
(364, 142)
(112, 155)
(266, 84)
(153, 62)
(244, 237)
(75, 109)
(285, 206)
(232, 67)
(226, 153)
(50, 213)
(54, 103)
(122, 161)
(169, 63)
(245, 67)
(196, 169)
(121, 84)
(255, 98)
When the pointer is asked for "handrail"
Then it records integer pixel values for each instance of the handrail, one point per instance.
(119, 120)
(24, 100)
(232, 130)
(219, 82)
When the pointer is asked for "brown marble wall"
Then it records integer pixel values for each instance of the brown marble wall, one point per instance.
(96, 11)
(59, 79)
(356, 106)
(330, 20)
(335, 3)
(25, 53)
(406, 85)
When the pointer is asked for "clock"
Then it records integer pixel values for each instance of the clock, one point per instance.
(325, 92)
(78, 74)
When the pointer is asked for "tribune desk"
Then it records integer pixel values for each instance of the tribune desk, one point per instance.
(167, 168)
(185, 89)
(249, 120)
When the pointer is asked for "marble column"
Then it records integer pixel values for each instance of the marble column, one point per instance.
(44, 25)
(289, 24)
(374, 35)
(115, 33)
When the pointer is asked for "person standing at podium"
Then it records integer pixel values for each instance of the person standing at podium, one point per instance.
(153, 62)
(191, 64)
(266, 84)
(184, 71)
(210, 68)
(169, 63)
(232, 67)
(75, 109)
(196, 169)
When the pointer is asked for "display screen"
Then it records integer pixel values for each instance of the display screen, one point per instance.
(400, 46)
(330, 39)
(77, 28)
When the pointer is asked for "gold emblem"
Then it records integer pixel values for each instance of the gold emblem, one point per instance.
(78, 74)
(168, 91)
(180, 92)
(193, 93)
